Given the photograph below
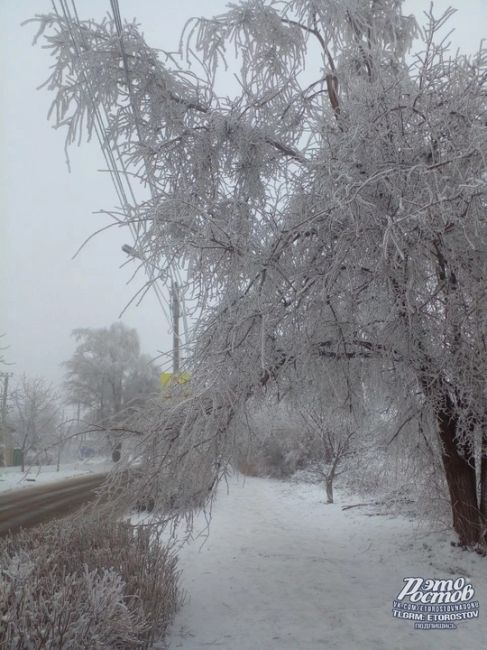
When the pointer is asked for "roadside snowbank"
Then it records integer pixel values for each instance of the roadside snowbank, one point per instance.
(11, 478)
(281, 570)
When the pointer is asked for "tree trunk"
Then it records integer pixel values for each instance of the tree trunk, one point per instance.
(460, 474)
(460, 478)
(59, 452)
(483, 485)
(328, 454)
(117, 452)
(329, 489)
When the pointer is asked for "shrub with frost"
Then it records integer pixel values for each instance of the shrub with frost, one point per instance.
(85, 584)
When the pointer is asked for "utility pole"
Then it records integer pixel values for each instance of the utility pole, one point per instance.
(3, 430)
(174, 306)
(175, 328)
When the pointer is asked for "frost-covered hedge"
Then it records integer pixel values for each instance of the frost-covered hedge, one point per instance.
(85, 584)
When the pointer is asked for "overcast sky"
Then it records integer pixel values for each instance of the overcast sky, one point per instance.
(46, 212)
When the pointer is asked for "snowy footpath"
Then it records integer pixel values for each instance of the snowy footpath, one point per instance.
(282, 570)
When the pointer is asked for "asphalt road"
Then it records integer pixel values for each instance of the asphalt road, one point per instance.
(31, 506)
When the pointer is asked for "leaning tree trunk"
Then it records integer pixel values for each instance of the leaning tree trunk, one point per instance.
(330, 477)
(483, 485)
(460, 478)
(460, 474)
(329, 489)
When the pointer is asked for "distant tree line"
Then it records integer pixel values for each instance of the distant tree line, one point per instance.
(106, 379)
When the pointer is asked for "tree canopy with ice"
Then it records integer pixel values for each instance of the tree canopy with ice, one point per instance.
(329, 217)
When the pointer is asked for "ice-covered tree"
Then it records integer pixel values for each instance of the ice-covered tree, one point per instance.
(333, 433)
(330, 215)
(107, 373)
(34, 417)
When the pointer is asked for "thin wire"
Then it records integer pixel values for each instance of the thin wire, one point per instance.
(101, 132)
(173, 269)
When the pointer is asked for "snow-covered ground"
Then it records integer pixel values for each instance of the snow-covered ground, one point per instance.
(11, 478)
(282, 570)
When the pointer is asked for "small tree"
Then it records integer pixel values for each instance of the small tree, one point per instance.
(35, 415)
(333, 434)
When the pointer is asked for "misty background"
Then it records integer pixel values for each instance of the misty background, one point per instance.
(47, 212)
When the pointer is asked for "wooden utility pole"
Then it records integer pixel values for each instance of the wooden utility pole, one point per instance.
(175, 329)
(3, 425)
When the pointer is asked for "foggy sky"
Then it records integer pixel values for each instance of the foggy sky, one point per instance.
(46, 213)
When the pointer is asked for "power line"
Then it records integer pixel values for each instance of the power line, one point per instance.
(176, 298)
(110, 149)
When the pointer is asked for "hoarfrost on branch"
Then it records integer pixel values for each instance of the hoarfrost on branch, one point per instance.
(331, 215)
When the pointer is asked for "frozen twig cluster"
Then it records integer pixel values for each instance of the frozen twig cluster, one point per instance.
(86, 583)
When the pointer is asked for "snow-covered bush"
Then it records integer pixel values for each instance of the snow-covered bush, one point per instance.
(85, 584)
(86, 610)
(271, 455)
(403, 473)
(273, 442)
